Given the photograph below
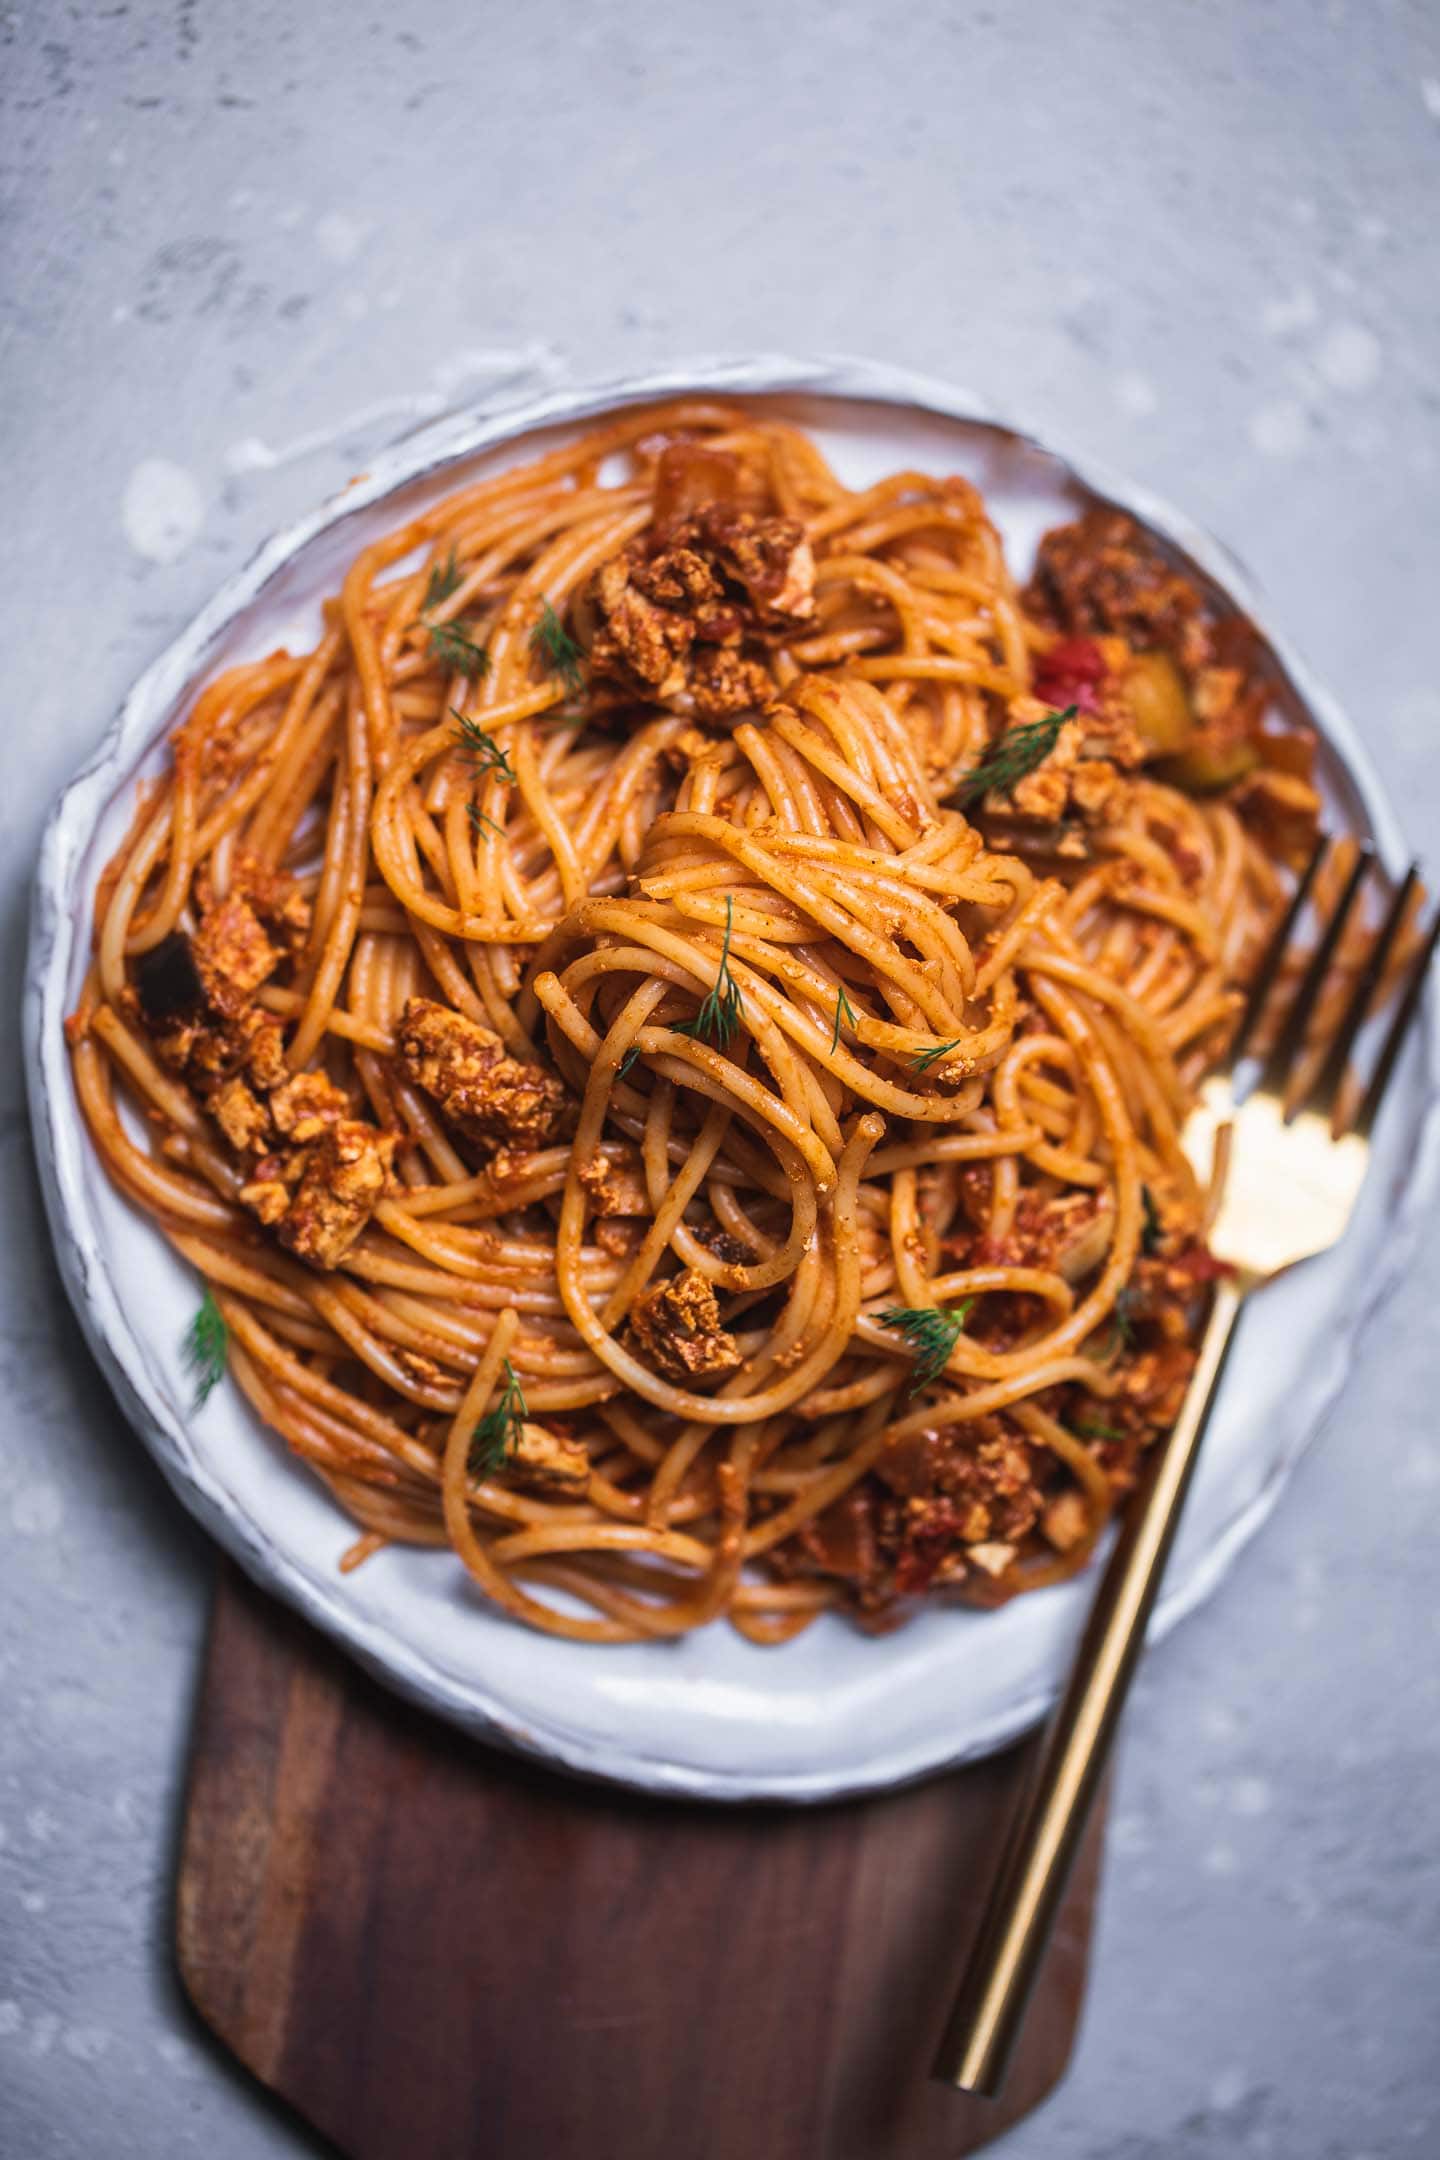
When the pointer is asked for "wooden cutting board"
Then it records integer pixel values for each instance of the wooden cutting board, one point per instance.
(430, 1949)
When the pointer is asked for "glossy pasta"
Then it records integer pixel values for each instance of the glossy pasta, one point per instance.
(652, 774)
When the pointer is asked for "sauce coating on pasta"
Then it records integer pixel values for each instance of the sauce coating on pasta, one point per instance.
(665, 1035)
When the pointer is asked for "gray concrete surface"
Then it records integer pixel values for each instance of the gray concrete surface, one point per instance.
(1200, 238)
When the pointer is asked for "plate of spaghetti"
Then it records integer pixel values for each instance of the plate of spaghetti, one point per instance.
(608, 1030)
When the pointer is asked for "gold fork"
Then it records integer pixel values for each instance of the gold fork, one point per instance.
(1297, 1150)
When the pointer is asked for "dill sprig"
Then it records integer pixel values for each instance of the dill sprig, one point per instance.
(481, 749)
(627, 1061)
(924, 1059)
(720, 1008)
(205, 1348)
(1017, 752)
(552, 644)
(1152, 1229)
(845, 1011)
(498, 1432)
(479, 822)
(445, 578)
(931, 1332)
(454, 648)
(451, 642)
(1091, 1431)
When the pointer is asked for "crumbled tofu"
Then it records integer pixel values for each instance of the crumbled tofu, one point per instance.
(614, 1177)
(1087, 772)
(265, 1055)
(676, 1329)
(1044, 793)
(314, 1173)
(687, 612)
(647, 627)
(267, 1195)
(725, 684)
(345, 1176)
(489, 1095)
(275, 897)
(549, 1461)
(620, 1237)
(208, 1048)
(233, 954)
(241, 1116)
(421, 1369)
(1066, 1521)
(769, 557)
(994, 1558)
(304, 1106)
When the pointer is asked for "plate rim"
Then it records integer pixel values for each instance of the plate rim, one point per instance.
(54, 926)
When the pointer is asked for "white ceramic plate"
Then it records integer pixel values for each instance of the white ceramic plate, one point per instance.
(835, 1712)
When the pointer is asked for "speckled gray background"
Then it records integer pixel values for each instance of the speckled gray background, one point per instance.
(242, 245)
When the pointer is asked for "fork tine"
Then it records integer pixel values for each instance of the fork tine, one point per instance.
(1291, 1038)
(1326, 1089)
(1269, 967)
(1399, 1028)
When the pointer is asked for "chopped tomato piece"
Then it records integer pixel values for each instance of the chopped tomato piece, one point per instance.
(1071, 674)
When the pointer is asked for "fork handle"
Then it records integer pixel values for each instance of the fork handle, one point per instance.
(1051, 1821)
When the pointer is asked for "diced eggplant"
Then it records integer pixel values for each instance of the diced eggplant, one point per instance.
(1159, 703)
(167, 982)
(1212, 759)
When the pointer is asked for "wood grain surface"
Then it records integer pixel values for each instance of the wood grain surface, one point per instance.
(430, 1949)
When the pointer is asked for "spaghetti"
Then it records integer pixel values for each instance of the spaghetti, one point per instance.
(665, 1035)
